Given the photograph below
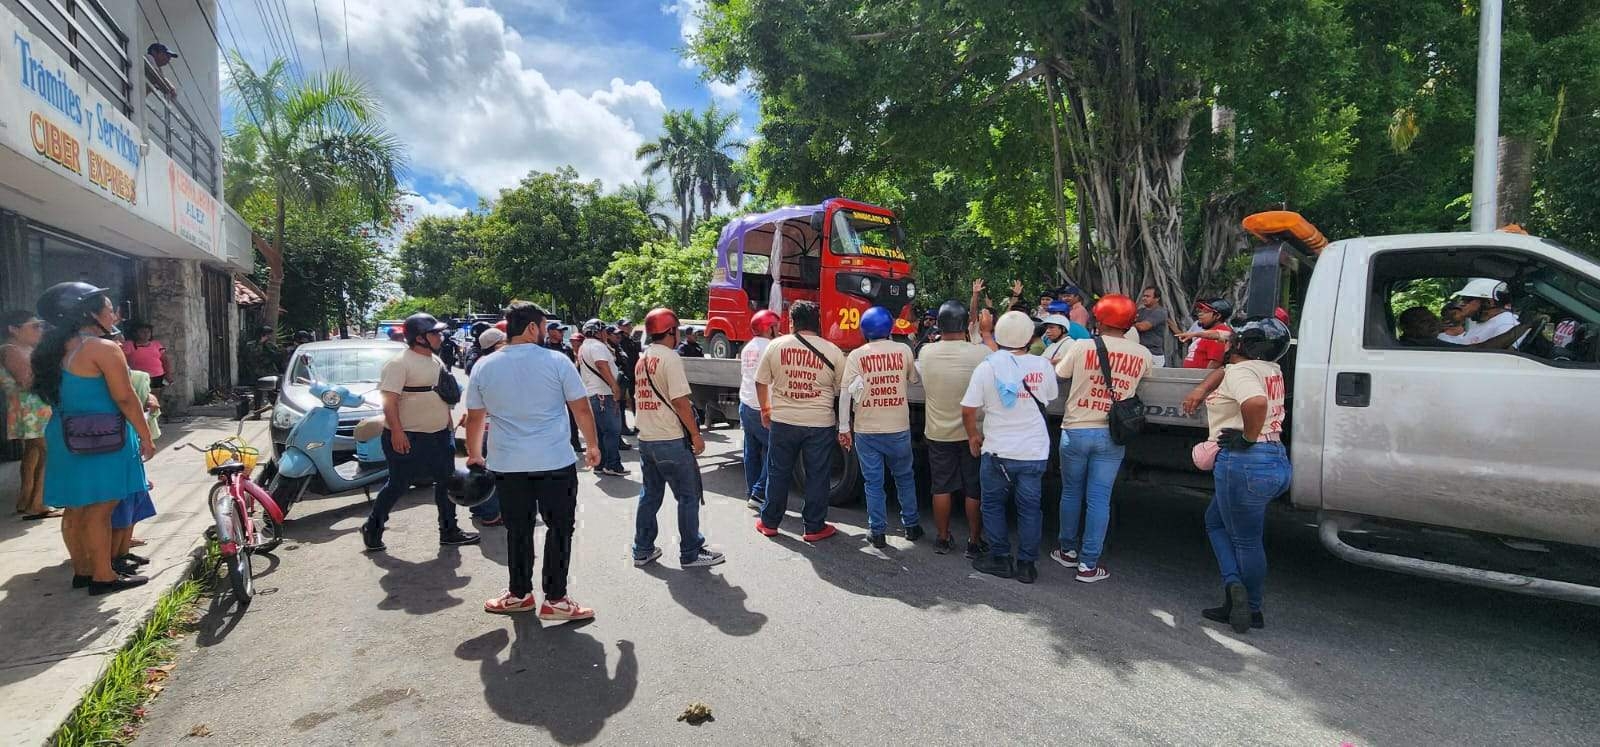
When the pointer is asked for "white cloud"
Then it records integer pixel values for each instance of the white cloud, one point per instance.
(688, 13)
(730, 92)
(431, 205)
(457, 89)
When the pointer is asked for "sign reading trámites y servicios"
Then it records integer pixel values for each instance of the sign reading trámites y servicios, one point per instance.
(50, 113)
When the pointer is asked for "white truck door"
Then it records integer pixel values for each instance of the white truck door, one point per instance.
(1496, 441)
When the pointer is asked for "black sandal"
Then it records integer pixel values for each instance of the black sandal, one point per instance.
(96, 588)
(135, 559)
(38, 517)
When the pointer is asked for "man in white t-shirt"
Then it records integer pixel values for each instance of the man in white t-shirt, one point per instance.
(1089, 458)
(669, 441)
(597, 366)
(1486, 304)
(763, 327)
(875, 423)
(1010, 389)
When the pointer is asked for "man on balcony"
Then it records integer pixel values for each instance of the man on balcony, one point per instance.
(158, 57)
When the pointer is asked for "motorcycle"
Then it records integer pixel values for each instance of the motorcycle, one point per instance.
(307, 460)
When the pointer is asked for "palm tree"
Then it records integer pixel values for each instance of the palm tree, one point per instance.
(672, 152)
(716, 173)
(646, 195)
(303, 143)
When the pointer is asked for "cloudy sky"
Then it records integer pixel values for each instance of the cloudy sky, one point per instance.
(482, 91)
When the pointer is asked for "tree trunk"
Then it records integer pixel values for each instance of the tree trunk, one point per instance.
(708, 199)
(344, 315)
(1515, 191)
(274, 289)
(1223, 237)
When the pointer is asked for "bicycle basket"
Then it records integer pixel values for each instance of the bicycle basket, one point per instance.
(223, 452)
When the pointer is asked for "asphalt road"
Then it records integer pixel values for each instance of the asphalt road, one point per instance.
(840, 643)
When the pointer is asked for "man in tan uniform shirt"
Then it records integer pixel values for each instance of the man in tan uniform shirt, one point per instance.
(797, 380)
(877, 380)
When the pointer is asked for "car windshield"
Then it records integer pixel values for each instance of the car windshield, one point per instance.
(354, 365)
(857, 233)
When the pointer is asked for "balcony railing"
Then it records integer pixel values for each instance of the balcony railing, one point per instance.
(167, 123)
(85, 34)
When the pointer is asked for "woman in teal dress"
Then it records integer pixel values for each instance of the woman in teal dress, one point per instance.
(79, 373)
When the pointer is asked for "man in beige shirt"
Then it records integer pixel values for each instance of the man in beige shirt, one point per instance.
(669, 440)
(946, 367)
(877, 379)
(797, 380)
(418, 440)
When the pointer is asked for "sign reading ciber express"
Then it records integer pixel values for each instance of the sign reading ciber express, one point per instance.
(70, 126)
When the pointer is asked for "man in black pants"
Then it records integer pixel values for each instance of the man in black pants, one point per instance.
(529, 389)
(418, 436)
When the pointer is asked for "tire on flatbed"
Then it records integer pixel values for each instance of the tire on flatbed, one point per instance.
(844, 482)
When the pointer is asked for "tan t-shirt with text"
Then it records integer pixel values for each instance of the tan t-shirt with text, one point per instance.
(420, 412)
(657, 420)
(801, 388)
(946, 368)
(887, 370)
(1088, 401)
(1242, 382)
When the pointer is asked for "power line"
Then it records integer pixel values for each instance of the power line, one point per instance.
(270, 25)
(294, 43)
(346, 6)
(193, 79)
(318, 11)
(247, 107)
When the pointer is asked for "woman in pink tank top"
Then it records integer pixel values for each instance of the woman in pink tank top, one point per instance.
(147, 354)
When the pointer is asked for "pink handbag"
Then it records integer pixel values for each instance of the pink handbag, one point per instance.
(1204, 454)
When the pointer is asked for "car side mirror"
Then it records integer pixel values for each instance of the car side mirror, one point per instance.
(267, 383)
(817, 221)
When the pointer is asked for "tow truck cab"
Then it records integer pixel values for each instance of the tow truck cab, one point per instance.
(847, 256)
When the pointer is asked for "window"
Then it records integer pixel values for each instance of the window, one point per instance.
(1415, 302)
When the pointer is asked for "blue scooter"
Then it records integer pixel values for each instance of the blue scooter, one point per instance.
(307, 460)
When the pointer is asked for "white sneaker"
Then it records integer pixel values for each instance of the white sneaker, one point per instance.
(1067, 558)
(706, 558)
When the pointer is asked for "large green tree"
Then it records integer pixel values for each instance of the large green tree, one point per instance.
(333, 259)
(304, 143)
(661, 273)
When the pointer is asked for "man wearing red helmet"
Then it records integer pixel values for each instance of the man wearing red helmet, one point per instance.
(669, 441)
(763, 328)
(1089, 458)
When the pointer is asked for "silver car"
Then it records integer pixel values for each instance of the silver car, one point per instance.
(354, 364)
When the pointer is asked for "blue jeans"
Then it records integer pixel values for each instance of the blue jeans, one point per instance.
(1000, 477)
(1236, 519)
(755, 452)
(878, 451)
(785, 445)
(433, 457)
(1089, 464)
(663, 463)
(608, 428)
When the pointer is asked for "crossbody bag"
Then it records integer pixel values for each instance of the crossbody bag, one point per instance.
(1126, 418)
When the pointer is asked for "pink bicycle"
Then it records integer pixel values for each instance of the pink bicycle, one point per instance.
(233, 503)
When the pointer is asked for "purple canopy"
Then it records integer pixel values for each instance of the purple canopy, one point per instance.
(732, 239)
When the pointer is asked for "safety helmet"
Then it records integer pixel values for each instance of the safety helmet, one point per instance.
(624, 323)
(1222, 307)
(1014, 330)
(1116, 311)
(419, 324)
(63, 304)
(953, 317)
(763, 320)
(593, 327)
(472, 486)
(1059, 307)
(660, 321)
(1058, 320)
(303, 336)
(1485, 288)
(876, 323)
(1262, 340)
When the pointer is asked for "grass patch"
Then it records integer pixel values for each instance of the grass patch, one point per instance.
(112, 708)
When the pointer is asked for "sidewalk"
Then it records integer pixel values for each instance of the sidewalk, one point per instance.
(57, 640)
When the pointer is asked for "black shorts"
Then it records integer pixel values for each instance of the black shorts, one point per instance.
(952, 468)
(158, 382)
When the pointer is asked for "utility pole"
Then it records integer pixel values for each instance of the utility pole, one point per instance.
(1486, 142)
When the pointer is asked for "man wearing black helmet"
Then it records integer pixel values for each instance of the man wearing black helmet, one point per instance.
(418, 440)
(946, 367)
(1245, 415)
(1208, 351)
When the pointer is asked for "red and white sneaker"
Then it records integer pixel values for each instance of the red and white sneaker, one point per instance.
(825, 532)
(508, 603)
(564, 609)
(765, 530)
(1090, 575)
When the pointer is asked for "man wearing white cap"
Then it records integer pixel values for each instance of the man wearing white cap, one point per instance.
(1485, 302)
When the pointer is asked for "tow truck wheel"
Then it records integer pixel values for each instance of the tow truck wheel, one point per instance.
(844, 480)
(722, 347)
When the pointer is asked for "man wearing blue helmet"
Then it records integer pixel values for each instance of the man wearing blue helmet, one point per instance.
(877, 378)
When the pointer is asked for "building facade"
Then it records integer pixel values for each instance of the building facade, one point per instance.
(111, 173)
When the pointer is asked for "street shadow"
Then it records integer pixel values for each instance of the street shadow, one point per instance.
(420, 588)
(620, 487)
(708, 596)
(556, 678)
(312, 522)
(221, 615)
(44, 619)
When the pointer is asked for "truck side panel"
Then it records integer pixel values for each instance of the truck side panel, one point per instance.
(1315, 339)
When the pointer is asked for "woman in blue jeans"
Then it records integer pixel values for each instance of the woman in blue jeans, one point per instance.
(1246, 415)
